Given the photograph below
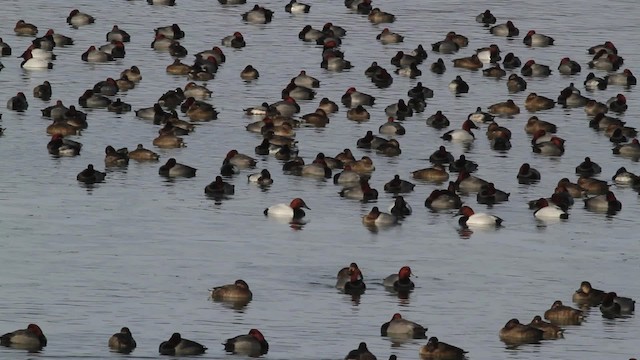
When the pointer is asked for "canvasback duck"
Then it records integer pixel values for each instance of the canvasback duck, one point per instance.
(170, 31)
(23, 28)
(252, 344)
(403, 328)
(463, 164)
(236, 292)
(344, 275)
(437, 174)
(362, 191)
(263, 178)
(295, 7)
(115, 48)
(389, 37)
(400, 208)
(568, 67)
(506, 29)
(91, 175)
(470, 218)
(441, 156)
(258, 15)
(355, 285)
(511, 61)
(438, 67)
(400, 281)
(115, 157)
(400, 59)
(588, 168)
(347, 176)
(36, 53)
(59, 39)
(534, 124)
(32, 63)
(397, 185)
(443, 199)
(461, 135)
(489, 195)
(625, 78)
(18, 102)
(538, 40)
(216, 52)
(624, 177)
(240, 160)
(535, 102)
(391, 127)
(435, 349)
(553, 147)
(287, 107)
(458, 86)
(174, 169)
(489, 54)
(531, 68)
(122, 341)
(587, 295)
(94, 55)
(377, 218)
(317, 169)
(161, 42)
(549, 211)
(516, 83)
(377, 16)
(236, 40)
(592, 82)
(92, 100)
(468, 183)
(514, 332)
(77, 18)
(486, 18)
(362, 352)
(549, 330)
(59, 146)
(353, 98)
(471, 63)
(291, 211)
(438, 120)
(142, 154)
(31, 338)
(631, 150)
(446, 46)
(178, 346)
(603, 203)
(309, 34)
(563, 315)
(506, 108)
(219, 187)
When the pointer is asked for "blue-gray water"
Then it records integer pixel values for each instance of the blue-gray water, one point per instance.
(141, 251)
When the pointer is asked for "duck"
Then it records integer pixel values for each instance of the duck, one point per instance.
(363, 166)
(462, 135)
(48, 41)
(219, 187)
(506, 108)
(400, 59)
(410, 71)
(549, 211)
(446, 46)
(18, 102)
(441, 156)
(291, 211)
(236, 41)
(549, 330)
(168, 142)
(562, 314)
(5, 49)
(377, 16)
(437, 173)
(631, 149)
(391, 127)
(463, 164)
(133, 73)
(94, 55)
(615, 306)
(142, 154)
(32, 63)
(592, 82)
(516, 83)
(618, 103)
(588, 168)
(514, 332)
(397, 185)
(604, 61)
(59, 146)
(553, 147)
(435, 349)
(470, 218)
(77, 18)
(593, 186)
(608, 46)
(438, 67)
(263, 178)
(344, 275)
(399, 110)
(389, 37)
(495, 71)
(603, 203)
(31, 338)
(362, 352)
(252, 344)
(535, 102)
(538, 40)
(531, 68)
(489, 54)
(471, 63)
(400, 281)
(115, 157)
(240, 160)
(178, 346)
(353, 98)
(115, 48)
(91, 175)
(506, 29)
(295, 7)
(468, 183)
(486, 18)
(568, 67)
(355, 285)
(438, 120)
(237, 292)
(400, 327)
(587, 295)
(362, 191)
(347, 176)
(400, 208)
(489, 195)
(122, 341)
(170, 31)
(443, 199)
(534, 124)
(624, 177)
(23, 28)
(377, 218)
(458, 86)
(258, 15)
(174, 169)
(328, 106)
(55, 112)
(624, 78)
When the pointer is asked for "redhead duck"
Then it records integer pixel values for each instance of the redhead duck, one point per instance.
(568, 67)
(18, 102)
(328, 106)
(437, 173)
(563, 315)
(92, 100)
(258, 15)
(410, 71)
(631, 149)
(624, 177)
(594, 108)
(399, 110)
(5, 49)
(290, 211)
(344, 275)
(391, 127)
(46, 42)
(174, 169)
(539, 40)
(353, 98)
(115, 157)
(304, 80)
(511, 61)
(389, 37)
(435, 349)
(219, 187)
(618, 103)
(58, 39)
(573, 189)
(252, 344)
(161, 42)
(458, 86)
(549, 211)
(287, 107)
(400, 281)
(527, 174)
(470, 218)
(506, 29)
(608, 46)
(77, 18)
(362, 192)
(588, 168)
(177, 346)
(397, 185)
(535, 102)
(604, 122)
(441, 156)
(495, 71)
(106, 87)
(240, 160)
(463, 164)
(170, 31)
(400, 208)
(338, 31)
(236, 292)
(438, 120)
(534, 125)
(514, 332)
(531, 68)
(318, 169)
(355, 285)
(550, 331)
(446, 46)
(602, 61)
(347, 176)
(443, 199)
(361, 353)
(59, 146)
(593, 186)
(553, 147)
(236, 40)
(592, 82)
(377, 218)
(463, 135)
(377, 16)
(263, 178)
(122, 341)
(399, 327)
(94, 55)
(438, 67)
(118, 34)
(199, 111)
(516, 83)
(90, 175)
(587, 295)
(124, 83)
(486, 18)
(603, 203)
(507, 108)
(625, 78)
(489, 195)
(471, 63)
(115, 48)
(332, 62)
(31, 338)
(215, 51)
(295, 7)
(142, 154)
(23, 28)
(468, 183)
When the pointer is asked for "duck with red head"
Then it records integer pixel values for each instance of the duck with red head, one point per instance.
(290, 211)
(252, 344)
(398, 327)
(178, 346)
(538, 40)
(400, 281)
(489, 195)
(363, 191)
(507, 29)
(470, 218)
(547, 211)
(355, 285)
(443, 199)
(603, 203)
(31, 338)
(461, 135)
(376, 218)
(625, 78)
(344, 275)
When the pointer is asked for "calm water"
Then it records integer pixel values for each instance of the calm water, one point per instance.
(141, 251)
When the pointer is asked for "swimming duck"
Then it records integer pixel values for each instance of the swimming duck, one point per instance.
(470, 218)
(438, 67)
(178, 346)
(18, 102)
(170, 31)
(90, 175)
(5, 49)
(438, 120)
(347, 176)
(328, 106)
(603, 203)
(604, 61)
(608, 46)
(489, 195)
(133, 74)
(486, 18)
(506, 29)
(511, 61)
(142, 154)
(459, 86)
(625, 78)
(506, 108)
(562, 314)
(592, 82)
(236, 292)
(174, 169)
(377, 16)
(59, 146)
(463, 135)
(295, 7)
(94, 55)
(290, 211)
(531, 68)
(463, 164)
(361, 353)
(471, 63)
(534, 124)
(122, 341)
(219, 187)
(435, 349)
(550, 331)
(377, 218)
(614, 306)
(468, 183)
(252, 344)
(391, 127)
(353, 98)
(495, 71)
(400, 208)
(516, 83)
(399, 327)
(397, 185)
(568, 67)
(549, 211)
(389, 37)
(236, 40)
(514, 332)
(23, 28)
(362, 191)
(535, 102)
(115, 157)
(446, 46)
(618, 103)
(258, 15)
(344, 275)
(441, 156)
(443, 199)
(355, 285)
(587, 295)
(30, 338)
(489, 54)
(553, 147)
(77, 18)
(588, 168)
(624, 177)
(400, 281)
(539, 40)
(631, 149)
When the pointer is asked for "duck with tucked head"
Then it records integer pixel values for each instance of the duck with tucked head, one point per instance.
(539, 40)
(531, 68)
(174, 169)
(91, 175)
(506, 29)
(77, 18)
(236, 292)
(562, 314)
(402, 328)
(489, 195)
(549, 211)
(219, 187)
(252, 344)
(506, 108)
(362, 352)
(514, 332)
(527, 174)
(435, 349)
(400, 208)
(400, 281)
(549, 330)
(486, 18)
(625, 78)
(603, 203)
(377, 218)
(122, 341)
(31, 338)
(443, 199)
(178, 346)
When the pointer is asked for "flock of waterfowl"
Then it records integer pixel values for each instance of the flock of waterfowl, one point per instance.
(277, 122)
